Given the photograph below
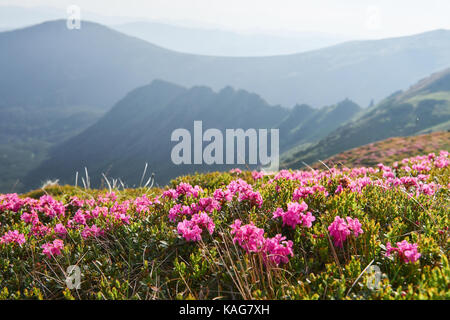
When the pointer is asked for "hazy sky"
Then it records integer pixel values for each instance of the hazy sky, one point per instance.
(362, 18)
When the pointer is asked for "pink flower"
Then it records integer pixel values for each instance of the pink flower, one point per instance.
(30, 217)
(253, 197)
(192, 230)
(208, 205)
(171, 193)
(188, 190)
(204, 221)
(79, 217)
(302, 192)
(307, 219)
(52, 248)
(406, 251)
(222, 196)
(92, 232)
(13, 237)
(339, 189)
(249, 237)
(174, 212)
(355, 226)
(294, 215)
(60, 230)
(257, 175)
(50, 207)
(278, 249)
(189, 230)
(11, 202)
(341, 229)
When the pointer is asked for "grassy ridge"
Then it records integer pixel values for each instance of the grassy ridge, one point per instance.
(390, 150)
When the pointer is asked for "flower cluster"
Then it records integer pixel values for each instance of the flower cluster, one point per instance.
(245, 192)
(13, 237)
(406, 251)
(251, 238)
(294, 215)
(340, 229)
(192, 229)
(52, 248)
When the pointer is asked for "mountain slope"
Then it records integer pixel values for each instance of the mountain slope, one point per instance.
(48, 64)
(425, 107)
(389, 150)
(138, 130)
(306, 124)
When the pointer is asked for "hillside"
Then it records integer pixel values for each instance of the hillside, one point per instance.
(302, 235)
(48, 64)
(56, 82)
(138, 130)
(306, 124)
(390, 150)
(424, 108)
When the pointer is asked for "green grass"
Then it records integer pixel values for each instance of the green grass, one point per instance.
(148, 259)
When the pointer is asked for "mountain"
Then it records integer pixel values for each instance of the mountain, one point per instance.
(138, 130)
(216, 42)
(27, 134)
(306, 124)
(48, 64)
(13, 17)
(390, 150)
(423, 108)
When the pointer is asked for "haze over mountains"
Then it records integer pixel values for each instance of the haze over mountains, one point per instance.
(57, 87)
(216, 42)
(423, 108)
(96, 66)
(182, 36)
(138, 130)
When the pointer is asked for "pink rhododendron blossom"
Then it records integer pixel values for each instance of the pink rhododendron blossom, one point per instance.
(223, 195)
(294, 215)
(407, 252)
(192, 229)
(340, 229)
(278, 249)
(53, 248)
(189, 230)
(50, 207)
(60, 230)
(171, 193)
(257, 175)
(248, 236)
(13, 237)
(92, 232)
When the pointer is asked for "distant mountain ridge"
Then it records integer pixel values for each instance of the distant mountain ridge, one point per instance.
(216, 42)
(95, 66)
(138, 130)
(423, 108)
